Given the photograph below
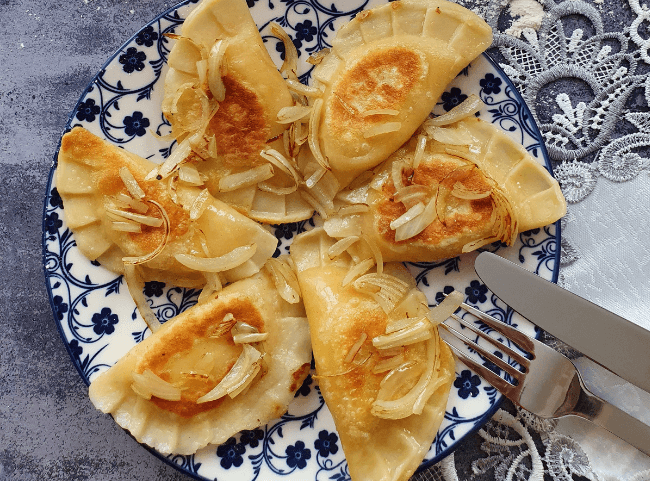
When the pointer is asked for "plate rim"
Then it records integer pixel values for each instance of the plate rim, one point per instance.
(169, 460)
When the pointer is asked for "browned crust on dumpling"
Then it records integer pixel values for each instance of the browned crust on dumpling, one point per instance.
(79, 143)
(178, 342)
(239, 126)
(468, 218)
(381, 80)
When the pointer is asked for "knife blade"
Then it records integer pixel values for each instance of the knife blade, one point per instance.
(612, 341)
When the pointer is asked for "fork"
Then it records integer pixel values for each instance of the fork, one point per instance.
(546, 383)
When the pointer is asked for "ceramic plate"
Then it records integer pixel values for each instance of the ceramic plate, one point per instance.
(98, 320)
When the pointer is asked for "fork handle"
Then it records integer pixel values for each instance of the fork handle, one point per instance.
(617, 422)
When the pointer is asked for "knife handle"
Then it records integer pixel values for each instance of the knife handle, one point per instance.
(617, 422)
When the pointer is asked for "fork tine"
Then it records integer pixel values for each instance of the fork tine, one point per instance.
(519, 338)
(521, 360)
(503, 386)
(515, 373)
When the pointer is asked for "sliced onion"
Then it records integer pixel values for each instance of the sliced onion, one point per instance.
(387, 290)
(139, 218)
(213, 284)
(136, 287)
(357, 270)
(215, 66)
(369, 113)
(396, 173)
(353, 209)
(290, 65)
(416, 332)
(315, 177)
(231, 182)
(288, 115)
(188, 173)
(313, 137)
(403, 323)
(302, 89)
(148, 384)
(317, 58)
(417, 224)
(469, 106)
(317, 206)
(343, 226)
(152, 255)
(281, 162)
(180, 153)
(285, 279)
(412, 194)
(250, 337)
(224, 327)
(389, 363)
(131, 184)
(240, 375)
(477, 244)
(341, 246)
(232, 259)
(446, 308)
(127, 226)
(130, 202)
(273, 189)
(376, 252)
(199, 205)
(410, 214)
(419, 150)
(413, 402)
(460, 191)
(381, 129)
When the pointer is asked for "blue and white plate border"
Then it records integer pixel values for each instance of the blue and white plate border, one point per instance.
(171, 301)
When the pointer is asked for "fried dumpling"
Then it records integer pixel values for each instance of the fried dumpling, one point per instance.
(115, 214)
(231, 363)
(450, 190)
(381, 366)
(222, 97)
(384, 74)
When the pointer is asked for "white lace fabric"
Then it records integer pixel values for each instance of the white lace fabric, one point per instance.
(582, 67)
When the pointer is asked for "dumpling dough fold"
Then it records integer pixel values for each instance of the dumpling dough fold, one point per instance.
(386, 70)
(376, 448)
(88, 180)
(188, 353)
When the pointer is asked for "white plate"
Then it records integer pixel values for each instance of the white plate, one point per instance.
(98, 320)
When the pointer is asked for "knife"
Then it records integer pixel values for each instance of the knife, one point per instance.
(616, 343)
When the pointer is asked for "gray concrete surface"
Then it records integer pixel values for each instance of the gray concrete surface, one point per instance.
(49, 430)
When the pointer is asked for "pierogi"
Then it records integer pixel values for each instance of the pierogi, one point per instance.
(164, 390)
(222, 97)
(384, 74)
(380, 364)
(98, 204)
(448, 191)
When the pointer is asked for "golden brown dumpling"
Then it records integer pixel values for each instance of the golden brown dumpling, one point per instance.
(387, 392)
(435, 199)
(385, 73)
(96, 199)
(153, 390)
(222, 96)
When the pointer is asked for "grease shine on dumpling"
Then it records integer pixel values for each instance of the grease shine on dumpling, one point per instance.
(114, 213)
(384, 74)
(231, 363)
(381, 366)
(449, 190)
(222, 97)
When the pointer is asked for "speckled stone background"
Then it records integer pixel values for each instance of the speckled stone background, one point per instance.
(49, 430)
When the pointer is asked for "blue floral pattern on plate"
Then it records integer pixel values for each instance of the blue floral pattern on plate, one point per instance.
(97, 318)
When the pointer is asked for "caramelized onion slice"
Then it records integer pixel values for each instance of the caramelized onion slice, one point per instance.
(232, 259)
(240, 375)
(148, 384)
